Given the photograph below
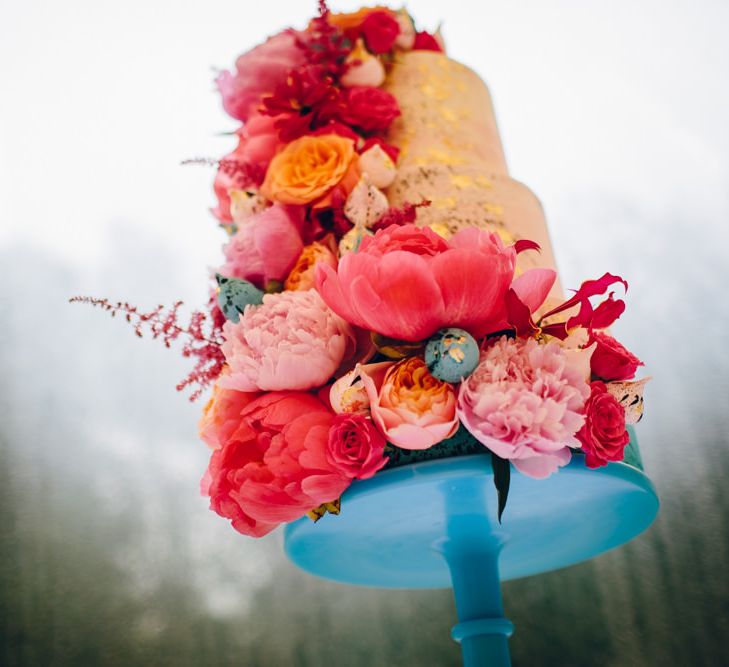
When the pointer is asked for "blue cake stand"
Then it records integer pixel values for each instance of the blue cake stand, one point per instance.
(433, 525)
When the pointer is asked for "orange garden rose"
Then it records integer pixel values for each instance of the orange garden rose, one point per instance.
(413, 409)
(349, 20)
(308, 168)
(301, 277)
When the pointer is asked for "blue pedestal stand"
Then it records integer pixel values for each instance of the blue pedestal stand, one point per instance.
(433, 525)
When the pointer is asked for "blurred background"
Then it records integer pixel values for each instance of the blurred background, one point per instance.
(615, 114)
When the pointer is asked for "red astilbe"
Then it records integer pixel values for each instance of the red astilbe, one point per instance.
(244, 173)
(203, 333)
(325, 45)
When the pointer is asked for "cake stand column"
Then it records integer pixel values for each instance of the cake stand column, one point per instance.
(471, 550)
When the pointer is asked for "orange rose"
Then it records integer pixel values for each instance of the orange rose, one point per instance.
(301, 276)
(347, 21)
(308, 168)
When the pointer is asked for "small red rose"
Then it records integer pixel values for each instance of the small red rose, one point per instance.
(370, 109)
(611, 361)
(356, 448)
(424, 41)
(604, 435)
(380, 30)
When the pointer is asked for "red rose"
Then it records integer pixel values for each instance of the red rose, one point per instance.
(380, 30)
(356, 447)
(370, 109)
(274, 467)
(603, 436)
(611, 361)
(424, 41)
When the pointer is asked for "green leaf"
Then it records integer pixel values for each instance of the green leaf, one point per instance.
(502, 479)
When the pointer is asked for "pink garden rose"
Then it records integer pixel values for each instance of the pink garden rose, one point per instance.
(525, 403)
(246, 165)
(258, 72)
(406, 282)
(413, 409)
(291, 341)
(274, 468)
(356, 448)
(604, 435)
(266, 247)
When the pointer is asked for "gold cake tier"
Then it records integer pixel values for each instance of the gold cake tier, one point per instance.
(451, 155)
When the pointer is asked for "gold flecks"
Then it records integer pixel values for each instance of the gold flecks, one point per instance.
(440, 229)
(442, 157)
(495, 209)
(505, 235)
(445, 202)
(461, 181)
(448, 114)
(484, 182)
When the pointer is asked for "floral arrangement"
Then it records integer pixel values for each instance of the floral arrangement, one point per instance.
(340, 332)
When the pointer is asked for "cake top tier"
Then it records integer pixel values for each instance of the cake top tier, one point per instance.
(447, 114)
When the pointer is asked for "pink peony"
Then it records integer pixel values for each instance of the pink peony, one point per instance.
(525, 402)
(356, 448)
(265, 247)
(413, 409)
(246, 165)
(258, 72)
(291, 341)
(274, 468)
(406, 282)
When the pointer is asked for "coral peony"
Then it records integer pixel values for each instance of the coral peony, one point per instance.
(407, 282)
(258, 72)
(308, 168)
(274, 468)
(524, 402)
(356, 448)
(246, 165)
(266, 247)
(370, 109)
(291, 341)
(221, 415)
(413, 409)
(611, 361)
(604, 435)
(301, 276)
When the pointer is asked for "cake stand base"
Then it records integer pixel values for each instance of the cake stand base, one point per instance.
(434, 525)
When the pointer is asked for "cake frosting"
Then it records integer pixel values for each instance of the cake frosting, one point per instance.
(451, 155)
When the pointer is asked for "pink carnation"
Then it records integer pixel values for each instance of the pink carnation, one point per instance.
(266, 246)
(275, 467)
(258, 72)
(407, 282)
(246, 166)
(525, 402)
(291, 341)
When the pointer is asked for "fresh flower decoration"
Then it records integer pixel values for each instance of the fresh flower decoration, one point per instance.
(338, 330)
